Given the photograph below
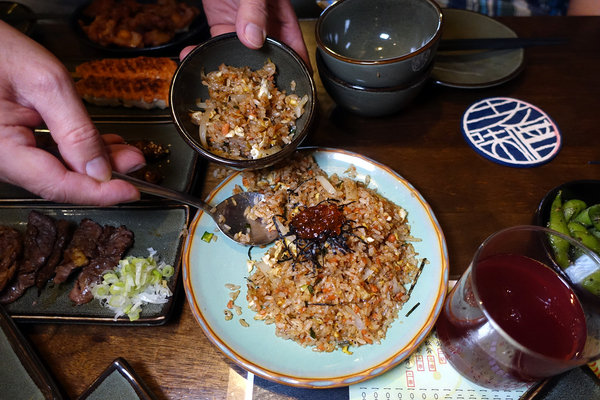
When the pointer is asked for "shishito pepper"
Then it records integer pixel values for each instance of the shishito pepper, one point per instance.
(557, 222)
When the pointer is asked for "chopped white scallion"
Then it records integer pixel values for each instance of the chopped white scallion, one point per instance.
(134, 282)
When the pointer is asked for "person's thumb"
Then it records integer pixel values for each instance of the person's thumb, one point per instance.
(78, 140)
(82, 149)
(251, 23)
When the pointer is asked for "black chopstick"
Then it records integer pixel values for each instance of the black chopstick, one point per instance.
(496, 43)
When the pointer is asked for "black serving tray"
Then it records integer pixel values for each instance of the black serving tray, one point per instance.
(178, 170)
(162, 227)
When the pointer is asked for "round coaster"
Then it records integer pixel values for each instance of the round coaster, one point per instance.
(511, 132)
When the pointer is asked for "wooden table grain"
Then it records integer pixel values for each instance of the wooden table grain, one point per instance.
(471, 196)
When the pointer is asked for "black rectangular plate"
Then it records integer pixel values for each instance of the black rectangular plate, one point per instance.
(158, 226)
(178, 170)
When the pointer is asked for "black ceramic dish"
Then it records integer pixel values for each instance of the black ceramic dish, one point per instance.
(18, 15)
(586, 190)
(120, 381)
(187, 89)
(196, 32)
(158, 226)
(177, 170)
(22, 374)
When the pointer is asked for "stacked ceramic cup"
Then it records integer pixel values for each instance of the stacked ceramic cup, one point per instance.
(375, 56)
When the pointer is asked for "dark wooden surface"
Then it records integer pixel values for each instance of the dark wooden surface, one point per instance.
(471, 197)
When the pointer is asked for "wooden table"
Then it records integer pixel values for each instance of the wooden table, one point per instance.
(471, 197)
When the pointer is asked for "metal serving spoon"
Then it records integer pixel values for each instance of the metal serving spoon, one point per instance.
(228, 215)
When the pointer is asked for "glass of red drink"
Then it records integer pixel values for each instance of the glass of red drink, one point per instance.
(514, 318)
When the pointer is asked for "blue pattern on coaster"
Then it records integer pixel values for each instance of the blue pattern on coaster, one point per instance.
(511, 132)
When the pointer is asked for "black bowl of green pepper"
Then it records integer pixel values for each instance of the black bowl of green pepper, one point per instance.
(573, 209)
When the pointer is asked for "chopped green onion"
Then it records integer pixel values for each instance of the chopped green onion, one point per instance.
(116, 288)
(111, 277)
(134, 282)
(102, 291)
(310, 288)
(134, 315)
(207, 236)
(156, 276)
(168, 271)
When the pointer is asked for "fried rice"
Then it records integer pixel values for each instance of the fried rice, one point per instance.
(343, 289)
(246, 115)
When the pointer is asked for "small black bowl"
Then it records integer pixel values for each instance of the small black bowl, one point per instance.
(187, 89)
(587, 190)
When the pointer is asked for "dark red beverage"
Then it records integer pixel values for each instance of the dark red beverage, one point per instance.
(531, 304)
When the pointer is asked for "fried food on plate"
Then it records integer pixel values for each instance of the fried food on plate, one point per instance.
(141, 82)
(132, 24)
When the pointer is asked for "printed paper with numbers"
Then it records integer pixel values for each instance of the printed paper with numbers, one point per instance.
(427, 375)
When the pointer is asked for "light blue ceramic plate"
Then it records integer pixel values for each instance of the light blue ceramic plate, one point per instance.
(208, 267)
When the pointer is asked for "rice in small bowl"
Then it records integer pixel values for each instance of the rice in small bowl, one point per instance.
(242, 108)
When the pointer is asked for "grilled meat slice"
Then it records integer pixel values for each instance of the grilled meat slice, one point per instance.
(128, 68)
(45, 273)
(38, 244)
(141, 82)
(11, 246)
(140, 92)
(112, 245)
(82, 248)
